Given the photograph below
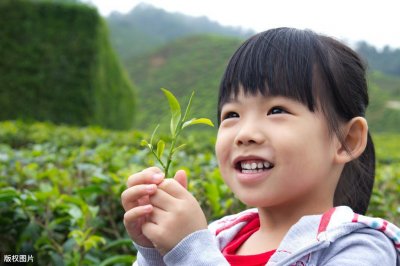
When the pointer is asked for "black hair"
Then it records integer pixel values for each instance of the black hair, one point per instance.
(321, 73)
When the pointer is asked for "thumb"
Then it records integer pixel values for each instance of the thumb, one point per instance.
(181, 178)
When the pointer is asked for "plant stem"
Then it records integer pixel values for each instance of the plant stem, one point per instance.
(159, 160)
(174, 140)
(171, 152)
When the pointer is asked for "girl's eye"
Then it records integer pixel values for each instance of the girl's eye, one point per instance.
(277, 110)
(230, 115)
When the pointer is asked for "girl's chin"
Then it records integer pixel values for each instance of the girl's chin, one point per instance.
(253, 201)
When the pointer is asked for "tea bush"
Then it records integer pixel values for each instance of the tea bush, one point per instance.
(60, 189)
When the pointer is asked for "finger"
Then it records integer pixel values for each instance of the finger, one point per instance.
(157, 216)
(143, 200)
(153, 232)
(132, 216)
(163, 200)
(172, 187)
(181, 178)
(132, 196)
(154, 227)
(152, 175)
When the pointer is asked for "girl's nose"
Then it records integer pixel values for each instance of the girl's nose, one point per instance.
(249, 134)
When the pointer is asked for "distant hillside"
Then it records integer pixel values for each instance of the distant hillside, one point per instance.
(197, 63)
(194, 63)
(386, 60)
(147, 27)
(162, 49)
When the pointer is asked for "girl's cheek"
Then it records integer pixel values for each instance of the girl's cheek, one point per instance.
(218, 144)
(219, 156)
(221, 153)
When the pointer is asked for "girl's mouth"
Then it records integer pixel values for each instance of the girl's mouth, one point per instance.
(253, 166)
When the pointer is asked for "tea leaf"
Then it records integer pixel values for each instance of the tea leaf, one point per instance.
(160, 148)
(194, 121)
(178, 148)
(188, 107)
(118, 259)
(115, 244)
(8, 194)
(175, 110)
(93, 242)
(144, 142)
(152, 137)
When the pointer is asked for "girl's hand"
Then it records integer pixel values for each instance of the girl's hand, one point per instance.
(175, 215)
(135, 200)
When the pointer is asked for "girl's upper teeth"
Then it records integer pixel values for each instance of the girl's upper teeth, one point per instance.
(255, 165)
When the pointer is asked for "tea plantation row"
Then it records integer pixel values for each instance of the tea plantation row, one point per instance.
(60, 189)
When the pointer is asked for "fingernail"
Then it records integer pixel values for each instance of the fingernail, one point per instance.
(147, 208)
(151, 187)
(158, 177)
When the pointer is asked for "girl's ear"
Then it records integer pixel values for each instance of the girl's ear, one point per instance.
(355, 134)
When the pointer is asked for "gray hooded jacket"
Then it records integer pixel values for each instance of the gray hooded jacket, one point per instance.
(337, 237)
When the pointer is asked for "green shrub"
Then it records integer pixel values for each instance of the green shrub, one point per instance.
(57, 65)
(60, 189)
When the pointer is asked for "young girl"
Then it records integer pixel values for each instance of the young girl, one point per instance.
(293, 143)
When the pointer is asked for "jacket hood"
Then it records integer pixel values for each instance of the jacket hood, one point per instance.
(341, 216)
(310, 233)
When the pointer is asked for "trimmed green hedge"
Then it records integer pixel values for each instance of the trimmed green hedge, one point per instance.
(57, 65)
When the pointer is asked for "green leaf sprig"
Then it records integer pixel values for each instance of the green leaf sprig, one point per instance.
(177, 124)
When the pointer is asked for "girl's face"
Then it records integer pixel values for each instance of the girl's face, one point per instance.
(272, 151)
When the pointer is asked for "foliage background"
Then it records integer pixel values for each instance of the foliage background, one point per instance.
(60, 189)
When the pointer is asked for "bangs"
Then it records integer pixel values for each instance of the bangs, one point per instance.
(272, 63)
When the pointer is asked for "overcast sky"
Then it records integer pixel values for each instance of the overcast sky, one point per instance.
(377, 22)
